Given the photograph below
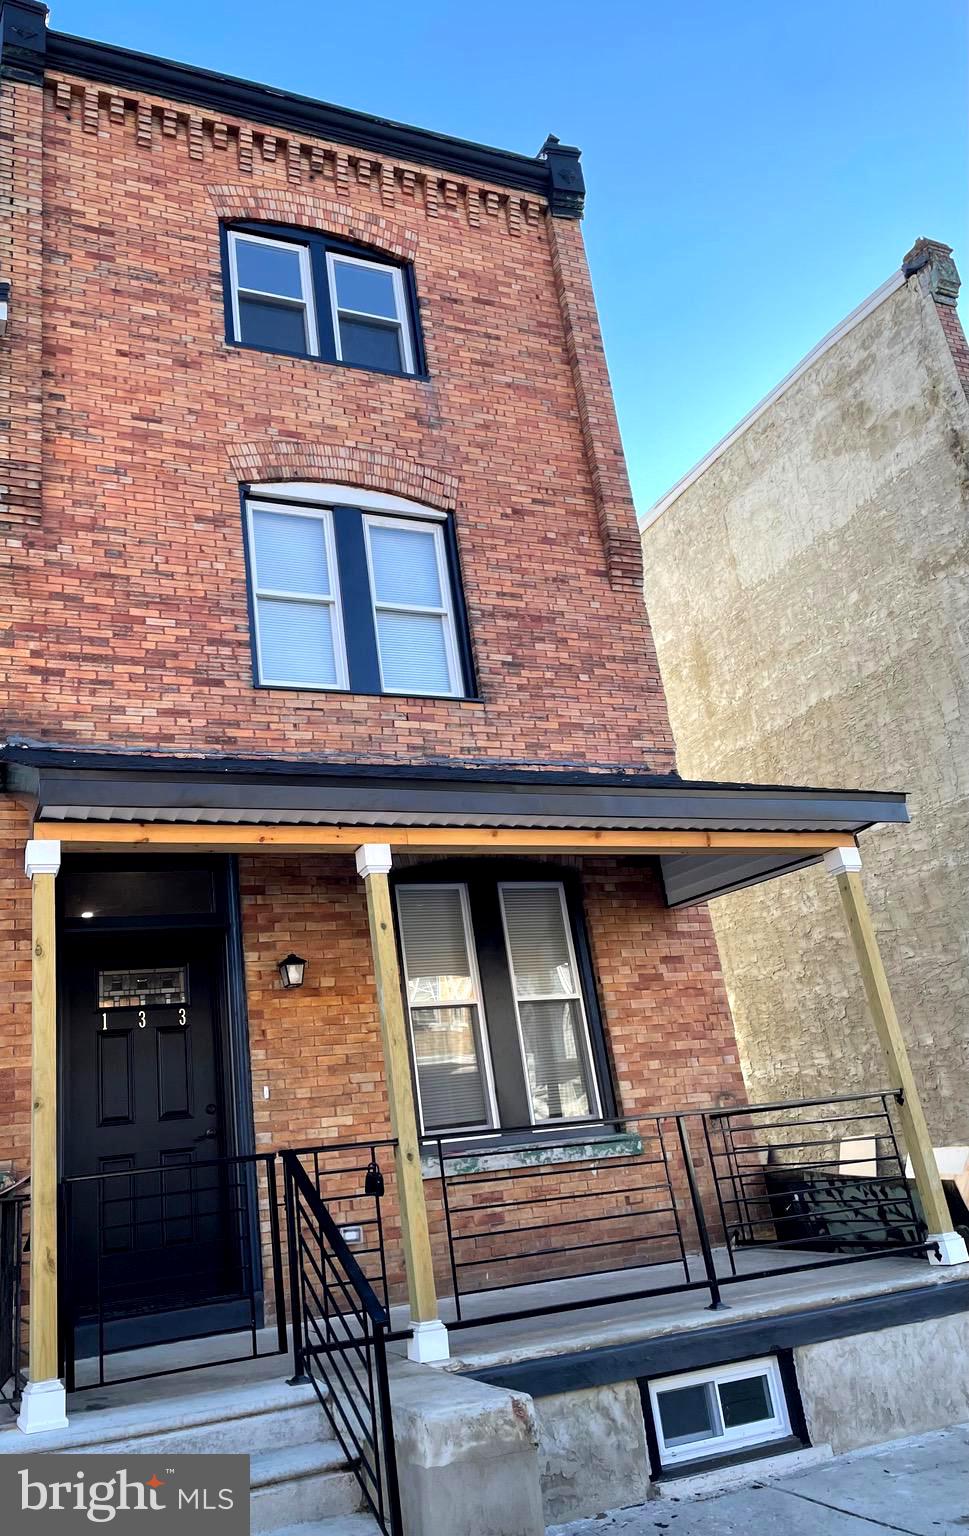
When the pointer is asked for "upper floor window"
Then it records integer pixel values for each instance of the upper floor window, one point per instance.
(311, 296)
(359, 598)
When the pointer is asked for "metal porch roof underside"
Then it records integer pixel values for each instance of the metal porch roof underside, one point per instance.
(67, 785)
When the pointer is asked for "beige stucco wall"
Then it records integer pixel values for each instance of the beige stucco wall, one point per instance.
(809, 595)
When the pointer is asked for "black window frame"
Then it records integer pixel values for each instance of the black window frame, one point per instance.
(363, 662)
(482, 877)
(319, 245)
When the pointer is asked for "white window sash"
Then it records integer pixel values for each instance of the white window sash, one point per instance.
(331, 600)
(400, 301)
(762, 1431)
(585, 1043)
(306, 283)
(491, 1102)
(446, 613)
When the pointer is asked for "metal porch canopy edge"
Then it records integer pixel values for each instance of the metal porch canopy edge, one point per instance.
(68, 785)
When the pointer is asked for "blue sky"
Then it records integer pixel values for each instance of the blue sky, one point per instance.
(755, 167)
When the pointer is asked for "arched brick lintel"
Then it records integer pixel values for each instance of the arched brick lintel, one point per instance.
(275, 459)
(302, 210)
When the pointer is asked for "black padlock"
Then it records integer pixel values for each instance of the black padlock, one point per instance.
(374, 1182)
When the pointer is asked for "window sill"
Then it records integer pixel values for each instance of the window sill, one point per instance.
(534, 1155)
(327, 362)
(365, 693)
(764, 1450)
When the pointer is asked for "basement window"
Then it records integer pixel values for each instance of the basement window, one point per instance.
(719, 1410)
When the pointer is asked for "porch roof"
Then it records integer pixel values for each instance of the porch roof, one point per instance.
(732, 834)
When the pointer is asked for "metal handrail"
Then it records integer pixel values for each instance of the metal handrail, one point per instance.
(365, 1291)
(340, 1332)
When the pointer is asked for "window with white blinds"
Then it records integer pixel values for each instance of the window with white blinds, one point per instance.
(413, 617)
(410, 637)
(296, 602)
(445, 1008)
(548, 1002)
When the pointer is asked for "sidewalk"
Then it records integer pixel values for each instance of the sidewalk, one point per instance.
(919, 1487)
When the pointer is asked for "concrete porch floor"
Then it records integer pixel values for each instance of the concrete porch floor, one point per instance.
(486, 1344)
(483, 1344)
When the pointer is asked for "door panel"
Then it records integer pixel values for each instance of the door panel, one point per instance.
(143, 1103)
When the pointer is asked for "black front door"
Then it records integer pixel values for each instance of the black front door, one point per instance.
(152, 1236)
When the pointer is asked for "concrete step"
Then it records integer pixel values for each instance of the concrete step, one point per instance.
(249, 1433)
(245, 1419)
(301, 1484)
(339, 1525)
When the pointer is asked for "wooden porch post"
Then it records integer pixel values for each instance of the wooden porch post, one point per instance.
(845, 865)
(44, 1404)
(429, 1341)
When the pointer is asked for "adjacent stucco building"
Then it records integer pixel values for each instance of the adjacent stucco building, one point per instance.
(820, 625)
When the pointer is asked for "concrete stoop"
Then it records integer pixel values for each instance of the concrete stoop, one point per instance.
(301, 1485)
(300, 1481)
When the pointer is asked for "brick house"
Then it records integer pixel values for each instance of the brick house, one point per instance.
(359, 863)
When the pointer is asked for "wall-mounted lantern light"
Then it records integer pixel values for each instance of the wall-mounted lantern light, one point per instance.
(291, 971)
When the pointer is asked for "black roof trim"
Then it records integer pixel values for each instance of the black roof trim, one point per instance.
(546, 775)
(553, 174)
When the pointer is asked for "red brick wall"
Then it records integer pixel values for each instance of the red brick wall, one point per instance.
(135, 627)
(956, 337)
(318, 1049)
(14, 991)
(669, 1026)
(319, 1052)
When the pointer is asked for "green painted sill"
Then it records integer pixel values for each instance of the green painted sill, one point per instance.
(534, 1155)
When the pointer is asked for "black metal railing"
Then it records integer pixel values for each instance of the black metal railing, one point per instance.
(692, 1200)
(595, 1199)
(340, 1331)
(583, 1215)
(816, 1176)
(14, 1260)
(355, 1179)
(171, 1254)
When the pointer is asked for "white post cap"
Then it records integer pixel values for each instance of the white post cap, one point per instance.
(842, 861)
(42, 856)
(374, 859)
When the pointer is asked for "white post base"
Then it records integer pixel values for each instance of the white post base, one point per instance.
(43, 1406)
(952, 1248)
(428, 1344)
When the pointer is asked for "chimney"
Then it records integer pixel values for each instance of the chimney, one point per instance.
(937, 271)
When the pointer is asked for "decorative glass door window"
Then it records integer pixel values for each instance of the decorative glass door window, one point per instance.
(272, 294)
(451, 1059)
(717, 1411)
(369, 314)
(548, 1002)
(163, 988)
